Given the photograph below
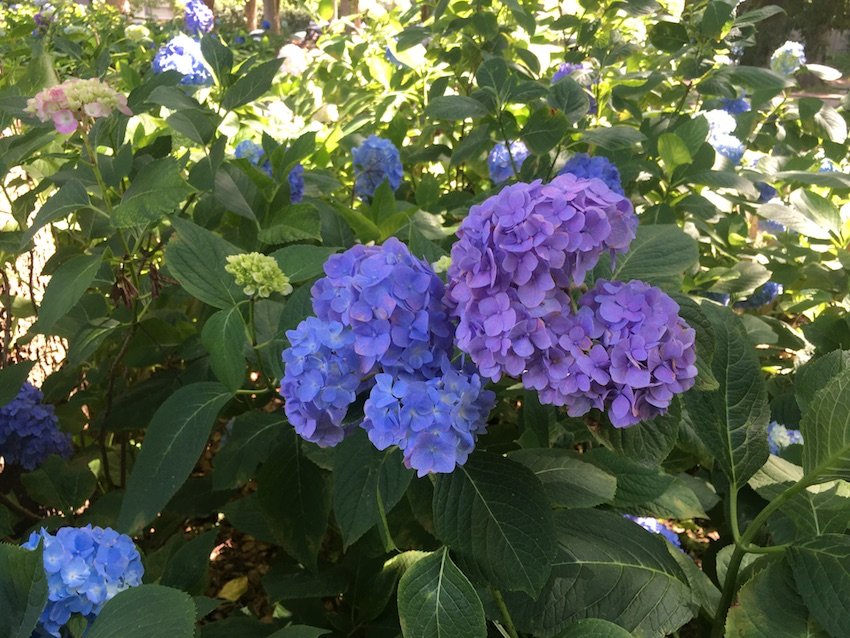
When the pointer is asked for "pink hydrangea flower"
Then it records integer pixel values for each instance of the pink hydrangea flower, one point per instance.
(67, 104)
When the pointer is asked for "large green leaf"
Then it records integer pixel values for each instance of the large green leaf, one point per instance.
(568, 481)
(156, 192)
(435, 600)
(826, 431)
(659, 255)
(607, 567)
(173, 443)
(68, 199)
(614, 138)
(814, 375)
(147, 611)
(302, 262)
(367, 484)
(496, 512)
(252, 437)
(769, 607)
(648, 442)
(822, 573)
(455, 108)
(225, 339)
(12, 380)
(188, 568)
(196, 258)
(296, 222)
(544, 130)
(732, 420)
(594, 628)
(252, 85)
(23, 590)
(793, 219)
(570, 98)
(295, 500)
(61, 484)
(67, 286)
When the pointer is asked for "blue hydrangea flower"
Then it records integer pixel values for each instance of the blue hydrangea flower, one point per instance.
(734, 106)
(566, 69)
(376, 160)
(85, 567)
(198, 18)
(29, 430)
(516, 254)
(321, 379)
(656, 527)
(392, 301)
(434, 421)
(254, 153)
(721, 125)
(779, 437)
(239, 40)
(766, 192)
(499, 160)
(183, 54)
(265, 25)
(827, 166)
(789, 58)
(583, 165)
(763, 296)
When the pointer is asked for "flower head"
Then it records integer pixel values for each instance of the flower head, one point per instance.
(656, 527)
(74, 101)
(789, 58)
(721, 125)
(29, 430)
(137, 32)
(258, 274)
(763, 296)
(779, 437)
(566, 69)
(376, 160)
(198, 18)
(295, 60)
(734, 106)
(183, 54)
(85, 567)
(499, 160)
(583, 165)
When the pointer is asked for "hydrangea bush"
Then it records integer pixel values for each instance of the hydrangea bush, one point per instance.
(447, 320)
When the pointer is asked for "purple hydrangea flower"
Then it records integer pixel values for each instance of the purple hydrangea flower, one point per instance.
(198, 18)
(392, 301)
(434, 421)
(650, 348)
(583, 165)
(516, 254)
(376, 160)
(182, 54)
(566, 69)
(779, 437)
(499, 160)
(656, 527)
(321, 380)
(254, 153)
(85, 567)
(734, 106)
(296, 183)
(29, 430)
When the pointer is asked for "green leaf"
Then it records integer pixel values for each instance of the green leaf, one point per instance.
(302, 262)
(156, 192)
(23, 590)
(196, 124)
(724, 179)
(821, 569)
(188, 568)
(568, 481)
(235, 191)
(495, 75)
(757, 15)
(218, 56)
(717, 13)
(295, 500)
(648, 442)
(673, 151)
(455, 108)
(147, 611)
(250, 86)
(436, 600)
(693, 315)
(608, 568)
(814, 375)
(756, 78)
(659, 255)
(614, 138)
(669, 36)
(769, 607)
(173, 443)
(196, 258)
(60, 484)
(594, 628)
(300, 631)
(367, 484)
(252, 437)
(831, 125)
(793, 219)
(507, 532)
(568, 96)
(365, 229)
(732, 420)
(544, 130)
(225, 339)
(819, 209)
(826, 431)
(12, 380)
(67, 286)
(296, 222)
(71, 197)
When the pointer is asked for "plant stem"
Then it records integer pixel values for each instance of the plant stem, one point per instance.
(18, 509)
(506, 615)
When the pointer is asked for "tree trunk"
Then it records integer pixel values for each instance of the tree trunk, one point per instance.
(251, 15)
(271, 13)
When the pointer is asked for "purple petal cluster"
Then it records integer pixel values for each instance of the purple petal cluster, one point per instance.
(198, 18)
(656, 527)
(517, 254)
(566, 69)
(434, 421)
(85, 567)
(29, 430)
(376, 160)
(254, 153)
(587, 167)
(499, 160)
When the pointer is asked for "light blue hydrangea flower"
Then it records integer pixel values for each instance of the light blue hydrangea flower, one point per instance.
(721, 125)
(789, 58)
(85, 567)
(779, 437)
(656, 527)
(499, 160)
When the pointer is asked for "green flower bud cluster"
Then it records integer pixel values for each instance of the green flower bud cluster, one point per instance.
(258, 274)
